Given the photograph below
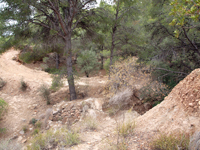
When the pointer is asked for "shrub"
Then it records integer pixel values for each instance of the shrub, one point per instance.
(128, 74)
(2, 130)
(26, 57)
(9, 145)
(31, 56)
(61, 137)
(23, 85)
(195, 141)
(56, 82)
(33, 121)
(106, 65)
(126, 128)
(38, 124)
(72, 138)
(3, 106)
(25, 128)
(45, 93)
(170, 142)
(154, 92)
(124, 75)
(35, 131)
(90, 123)
(88, 62)
(2, 83)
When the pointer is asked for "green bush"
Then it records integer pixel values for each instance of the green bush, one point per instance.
(106, 65)
(170, 142)
(3, 106)
(23, 85)
(31, 56)
(61, 137)
(154, 92)
(26, 57)
(56, 82)
(88, 62)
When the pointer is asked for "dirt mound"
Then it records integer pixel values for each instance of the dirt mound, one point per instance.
(180, 110)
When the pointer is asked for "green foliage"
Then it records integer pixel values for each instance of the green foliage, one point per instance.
(45, 93)
(51, 70)
(60, 137)
(23, 85)
(155, 92)
(72, 138)
(3, 106)
(57, 82)
(2, 130)
(107, 63)
(38, 124)
(35, 131)
(33, 121)
(32, 55)
(170, 142)
(25, 128)
(182, 9)
(87, 62)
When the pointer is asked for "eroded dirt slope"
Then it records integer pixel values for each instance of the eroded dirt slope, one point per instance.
(180, 110)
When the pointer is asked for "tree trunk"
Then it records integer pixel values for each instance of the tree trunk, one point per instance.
(112, 48)
(102, 58)
(70, 76)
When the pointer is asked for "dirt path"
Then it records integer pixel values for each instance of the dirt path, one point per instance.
(23, 106)
(20, 103)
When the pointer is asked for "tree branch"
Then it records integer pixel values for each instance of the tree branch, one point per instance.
(196, 49)
(171, 71)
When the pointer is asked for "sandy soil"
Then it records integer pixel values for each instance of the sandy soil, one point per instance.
(23, 106)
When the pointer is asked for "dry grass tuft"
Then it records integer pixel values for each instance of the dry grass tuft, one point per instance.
(45, 93)
(59, 138)
(170, 142)
(90, 123)
(126, 128)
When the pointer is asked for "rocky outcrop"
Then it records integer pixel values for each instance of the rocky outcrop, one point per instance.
(71, 112)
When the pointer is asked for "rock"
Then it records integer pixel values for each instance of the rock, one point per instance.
(24, 120)
(85, 108)
(19, 138)
(35, 106)
(21, 132)
(24, 141)
(191, 104)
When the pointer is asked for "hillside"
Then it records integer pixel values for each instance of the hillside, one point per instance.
(97, 129)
